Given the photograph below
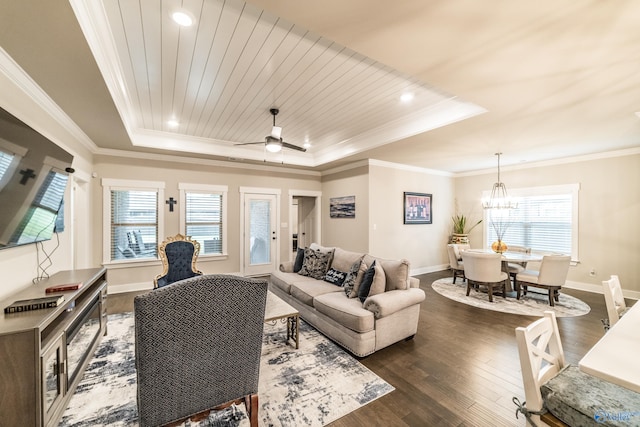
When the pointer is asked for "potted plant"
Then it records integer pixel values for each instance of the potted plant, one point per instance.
(460, 229)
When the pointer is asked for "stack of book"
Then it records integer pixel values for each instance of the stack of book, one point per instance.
(34, 304)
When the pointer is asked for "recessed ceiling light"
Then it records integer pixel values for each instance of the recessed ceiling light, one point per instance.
(306, 145)
(173, 123)
(406, 97)
(182, 19)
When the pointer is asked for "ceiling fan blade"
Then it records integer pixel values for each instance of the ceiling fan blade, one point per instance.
(293, 147)
(250, 143)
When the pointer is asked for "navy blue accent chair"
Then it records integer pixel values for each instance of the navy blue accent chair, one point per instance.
(179, 255)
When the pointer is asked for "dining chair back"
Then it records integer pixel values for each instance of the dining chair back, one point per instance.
(614, 300)
(455, 259)
(541, 358)
(484, 269)
(551, 276)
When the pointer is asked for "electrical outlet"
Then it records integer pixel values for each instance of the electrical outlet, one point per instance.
(592, 273)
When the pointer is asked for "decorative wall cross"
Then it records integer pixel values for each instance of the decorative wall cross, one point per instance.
(171, 202)
(26, 174)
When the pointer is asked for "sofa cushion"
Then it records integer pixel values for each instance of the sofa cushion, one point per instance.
(367, 281)
(356, 285)
(315, 264)
(379, 281)
(307, 290)
(397, 272)
(284, 280)
(343, 260)
(335, 277)
(350, 280)
(297, 264)
(346, 311)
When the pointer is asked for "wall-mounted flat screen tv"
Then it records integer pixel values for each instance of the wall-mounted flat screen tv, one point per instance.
(33, 177)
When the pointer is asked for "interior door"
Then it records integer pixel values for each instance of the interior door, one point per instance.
(260, 234)
(306, 221)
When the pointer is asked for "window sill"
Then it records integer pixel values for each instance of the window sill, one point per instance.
(213, 257)
(129, 263)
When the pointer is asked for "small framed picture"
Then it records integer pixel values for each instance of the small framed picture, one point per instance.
(417, 208)
(342, 207)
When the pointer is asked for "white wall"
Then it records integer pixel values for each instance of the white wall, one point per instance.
(170, 171)
(22, 98)
(608, 230)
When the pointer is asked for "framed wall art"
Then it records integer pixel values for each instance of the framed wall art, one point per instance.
(417, 208)
(342, 207)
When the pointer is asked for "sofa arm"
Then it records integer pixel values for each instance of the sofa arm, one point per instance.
(414, 283)
(387, 303)
(287, 267)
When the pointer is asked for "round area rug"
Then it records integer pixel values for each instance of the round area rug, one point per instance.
(528, 305)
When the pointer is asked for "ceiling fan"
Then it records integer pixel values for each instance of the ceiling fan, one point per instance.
(274, 142)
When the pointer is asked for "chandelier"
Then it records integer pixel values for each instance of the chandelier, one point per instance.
(499, 198)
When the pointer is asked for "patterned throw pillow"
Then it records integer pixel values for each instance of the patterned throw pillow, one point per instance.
(335, 277)
(315, 264)
(350, 280)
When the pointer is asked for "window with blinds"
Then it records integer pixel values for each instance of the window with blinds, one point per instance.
(134, 224)
(203, 220)
(545, 220)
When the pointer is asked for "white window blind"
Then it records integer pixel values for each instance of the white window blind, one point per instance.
(203, 220)
(134, 224)
(545, 220)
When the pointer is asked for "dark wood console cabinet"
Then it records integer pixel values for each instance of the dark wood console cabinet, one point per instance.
(44, 352)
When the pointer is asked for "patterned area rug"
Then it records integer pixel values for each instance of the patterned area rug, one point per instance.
(529, 305)
(311, 386)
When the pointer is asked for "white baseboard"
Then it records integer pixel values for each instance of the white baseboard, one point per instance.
(425, 270)
(129, 287)
(597, 289)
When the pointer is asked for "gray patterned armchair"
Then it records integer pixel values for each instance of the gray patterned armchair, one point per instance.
(197, 347)
(179, 255)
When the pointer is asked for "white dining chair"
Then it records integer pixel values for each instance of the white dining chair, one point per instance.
(484, 269)
(551, 276)
(541, 358)
(513, 268)
(455, 259)
(616, 305)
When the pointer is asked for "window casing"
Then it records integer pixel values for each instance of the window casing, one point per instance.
(546, 220)
(133, 219)
(203, 216)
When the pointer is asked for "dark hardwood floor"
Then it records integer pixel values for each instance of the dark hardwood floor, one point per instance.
(462, 367)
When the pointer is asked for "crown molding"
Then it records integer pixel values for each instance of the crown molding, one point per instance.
(205, 162)
(555, 162)
(25, 84)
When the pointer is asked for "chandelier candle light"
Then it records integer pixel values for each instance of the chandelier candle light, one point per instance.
(500, 205)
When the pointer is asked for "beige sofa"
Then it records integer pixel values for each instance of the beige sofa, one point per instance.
(360, 327)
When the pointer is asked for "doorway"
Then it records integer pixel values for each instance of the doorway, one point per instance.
(304, 214)
(260, 232)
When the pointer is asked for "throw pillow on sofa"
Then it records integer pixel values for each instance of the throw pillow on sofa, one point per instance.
(373, 282)
(350, 280)
(359, 277)
(335, 277)
(315, 264)
(297, 264)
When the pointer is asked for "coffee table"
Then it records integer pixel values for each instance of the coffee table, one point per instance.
(276, 309)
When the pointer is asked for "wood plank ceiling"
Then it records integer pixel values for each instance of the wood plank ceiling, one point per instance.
(218, 78)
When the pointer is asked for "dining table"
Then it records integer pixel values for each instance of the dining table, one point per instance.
(614, 357)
